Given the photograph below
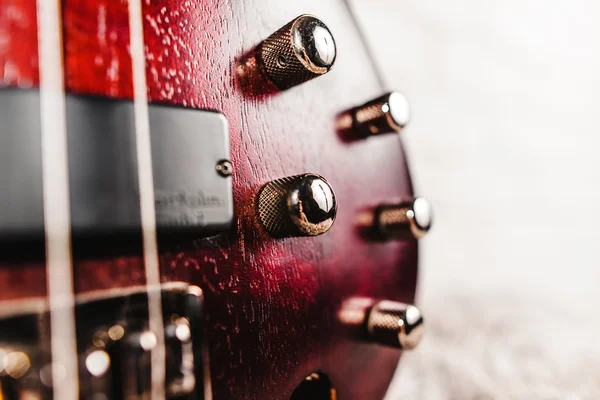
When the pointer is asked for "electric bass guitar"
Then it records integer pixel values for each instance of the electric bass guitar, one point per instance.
(201, 200)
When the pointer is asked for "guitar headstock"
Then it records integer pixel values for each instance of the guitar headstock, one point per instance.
(222, 186)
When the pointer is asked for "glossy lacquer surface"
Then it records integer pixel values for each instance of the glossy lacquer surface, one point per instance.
(273, 305)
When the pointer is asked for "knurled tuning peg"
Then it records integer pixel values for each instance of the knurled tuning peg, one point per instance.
(301, 50)
(388, 113)
(395, 324)
(301, 205)
(405, 220)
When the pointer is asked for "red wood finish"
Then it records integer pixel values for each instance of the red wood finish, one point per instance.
(97, 59)
(18, 43)
(272, 305)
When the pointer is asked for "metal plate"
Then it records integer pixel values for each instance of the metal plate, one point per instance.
(190, 196)
(21, 207)
(109, 325)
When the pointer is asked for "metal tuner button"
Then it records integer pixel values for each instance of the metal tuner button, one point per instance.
(302, 205)
(395, 324)
(302, 50)
(406, 220)
(386, 114)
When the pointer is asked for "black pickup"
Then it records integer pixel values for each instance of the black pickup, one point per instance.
(193, 193)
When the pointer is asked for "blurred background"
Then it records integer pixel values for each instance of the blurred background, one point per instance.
(503, 141)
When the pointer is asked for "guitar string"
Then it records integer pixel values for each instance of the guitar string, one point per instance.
(57, 218)
(146, 189)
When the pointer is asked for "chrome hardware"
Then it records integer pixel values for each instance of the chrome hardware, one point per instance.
(114, 346)
(302, 205)
(395, 324)
(386, 114)
(316, 386)
(301, 50)
(406, 220)
(224, 168)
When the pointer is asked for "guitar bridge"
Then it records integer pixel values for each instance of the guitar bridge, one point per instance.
(114, 346)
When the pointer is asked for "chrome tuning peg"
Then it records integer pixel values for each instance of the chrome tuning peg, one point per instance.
(395, 324)
(300, 51)
(388, 113)
(405, 220)
(301, 205)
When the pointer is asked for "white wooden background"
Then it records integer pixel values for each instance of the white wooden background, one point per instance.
(503, 141)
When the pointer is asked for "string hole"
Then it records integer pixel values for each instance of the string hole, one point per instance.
(282, 62)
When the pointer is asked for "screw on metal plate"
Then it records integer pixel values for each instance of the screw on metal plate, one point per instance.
(224, 168)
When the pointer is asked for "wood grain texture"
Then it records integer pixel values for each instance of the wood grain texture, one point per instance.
(272, 305)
